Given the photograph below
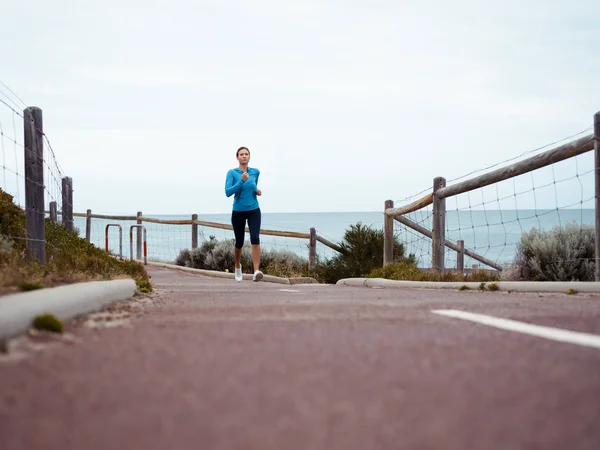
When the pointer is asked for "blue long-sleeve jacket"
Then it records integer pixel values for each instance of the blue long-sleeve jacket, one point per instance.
(244, 192)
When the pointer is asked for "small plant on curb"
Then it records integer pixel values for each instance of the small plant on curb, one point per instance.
(571, 291)
(30, 285)
(48, 322)
(493, 287)
(144, 286)
(464, 287)
(482, 287)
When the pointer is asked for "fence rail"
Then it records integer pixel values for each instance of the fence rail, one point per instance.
(583, 145)
(139, 218)
(566, 151)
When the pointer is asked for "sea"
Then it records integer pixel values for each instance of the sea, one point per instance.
(493, 234)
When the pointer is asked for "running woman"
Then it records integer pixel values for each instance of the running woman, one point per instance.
(242, 182)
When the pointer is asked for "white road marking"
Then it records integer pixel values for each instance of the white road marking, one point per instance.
(289, 290)
(555, 334)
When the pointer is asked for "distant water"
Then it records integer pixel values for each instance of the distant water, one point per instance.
(493, 233)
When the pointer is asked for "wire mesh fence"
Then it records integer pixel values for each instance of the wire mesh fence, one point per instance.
(31, 177)
(558, 191)
(167, 239)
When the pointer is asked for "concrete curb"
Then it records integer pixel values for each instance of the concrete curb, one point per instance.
(217, 274)
(17, 311)
(514, 286)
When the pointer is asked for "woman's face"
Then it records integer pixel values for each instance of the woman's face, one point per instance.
(243, 156)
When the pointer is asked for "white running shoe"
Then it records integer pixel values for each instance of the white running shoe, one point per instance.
(238, 274)
(258, 275)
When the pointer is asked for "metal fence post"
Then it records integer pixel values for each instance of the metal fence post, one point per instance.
(139, 227)
(438, 223)
(388, 233)
(138, 252)
(34, 183)
(120, 238)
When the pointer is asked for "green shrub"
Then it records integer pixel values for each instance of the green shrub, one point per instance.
(184, 258)
(196, 257)
(219, 255)
(30, 285)
(362, 252)
(6, 246)
(561, 254)
(399, 271)
(48, 322)
(493, 287)
(12, 222)
(283, 263)
(144, 286)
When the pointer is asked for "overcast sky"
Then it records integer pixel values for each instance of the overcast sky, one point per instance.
(342, 104)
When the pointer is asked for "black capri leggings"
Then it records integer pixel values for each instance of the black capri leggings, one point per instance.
(238, 221)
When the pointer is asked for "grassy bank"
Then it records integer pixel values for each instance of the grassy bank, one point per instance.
(69, 258)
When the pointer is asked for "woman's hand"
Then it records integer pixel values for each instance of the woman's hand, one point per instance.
(258, 192)
(244, 176)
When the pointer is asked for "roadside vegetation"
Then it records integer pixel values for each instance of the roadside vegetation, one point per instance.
(69, 258)
(362, 256)
(213, 254)
(410, 271)
(562, 254)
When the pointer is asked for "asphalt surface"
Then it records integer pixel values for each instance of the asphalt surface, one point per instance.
(207, 363)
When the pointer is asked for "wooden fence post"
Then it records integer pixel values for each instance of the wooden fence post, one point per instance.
(88, 225)
(64, 200)
(460, 256)
(597, 177)
(312, 251)
(34, 183)
(53, 212)
(67, 203)
(388, 234)
(71, 222)
(194, 232)
(438, 223)
(138, 252)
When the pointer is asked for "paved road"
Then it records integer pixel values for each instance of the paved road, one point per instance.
(211, 364)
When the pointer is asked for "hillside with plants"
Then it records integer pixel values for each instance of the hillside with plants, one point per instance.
(69, 258)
